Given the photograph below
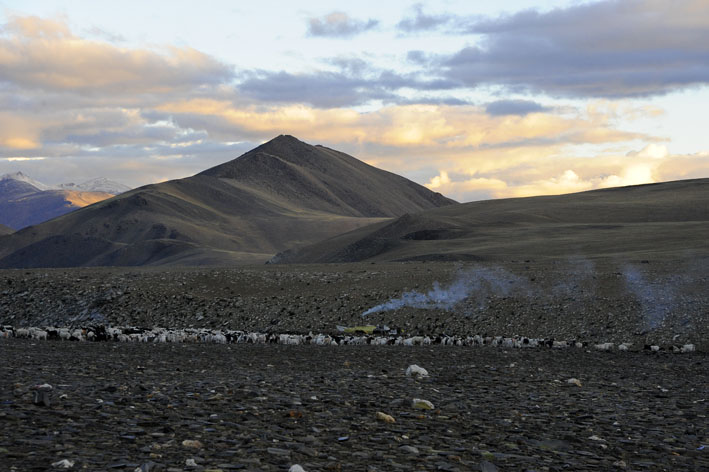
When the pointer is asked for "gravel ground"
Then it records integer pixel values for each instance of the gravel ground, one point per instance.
(128, 406)
(149, 407)
(644, 302)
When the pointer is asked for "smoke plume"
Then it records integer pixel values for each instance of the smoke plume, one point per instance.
(478, 283)
(656, 301)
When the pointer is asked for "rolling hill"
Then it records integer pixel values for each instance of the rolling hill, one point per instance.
(5, 230)
(284, 193)
(655, 220)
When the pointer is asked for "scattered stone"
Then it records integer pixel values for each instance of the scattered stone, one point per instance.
(421, 404)
(296, 468)
(42, 394)
(516, 414)
(149, 466)
(63, 464)
(574, 381)
(415, 371)
(487, 466)
(385, 418)
(409, 449)
(276, 451)
(192, 444)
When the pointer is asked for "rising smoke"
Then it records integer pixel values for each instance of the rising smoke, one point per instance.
(656, 300)
(478, 283)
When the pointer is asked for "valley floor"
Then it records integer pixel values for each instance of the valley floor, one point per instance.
(136, 406)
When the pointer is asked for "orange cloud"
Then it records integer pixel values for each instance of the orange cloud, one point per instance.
(553, 176)
(43, 53)
(432, 126)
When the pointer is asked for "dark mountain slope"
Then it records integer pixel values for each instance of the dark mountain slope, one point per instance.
(327, 180)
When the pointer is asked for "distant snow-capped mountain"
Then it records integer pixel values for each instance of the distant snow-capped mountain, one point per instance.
(100, 184)
(20, 177)
(25, 201)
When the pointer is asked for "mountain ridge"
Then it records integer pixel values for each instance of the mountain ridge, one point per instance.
(242, 211)
(98, 184)
(26, 202)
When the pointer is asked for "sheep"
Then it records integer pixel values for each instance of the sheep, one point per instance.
(39, 334)
(22, 333)
(77, 335)
(413, 341)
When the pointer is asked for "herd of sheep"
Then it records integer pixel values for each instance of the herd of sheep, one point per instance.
(193, 335)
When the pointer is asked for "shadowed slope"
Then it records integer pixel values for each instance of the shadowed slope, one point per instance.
(282, 194)
(666, 218)
(5, 230)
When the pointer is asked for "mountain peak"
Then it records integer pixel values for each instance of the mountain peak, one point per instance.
(262, 159)
(323, 179)
(20, 177)
(283, 145)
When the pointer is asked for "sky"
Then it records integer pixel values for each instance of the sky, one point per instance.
(475, 100)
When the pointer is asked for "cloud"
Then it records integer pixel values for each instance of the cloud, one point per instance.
(654, 151)
(513, 107)
(73, 105)
(435, 127)
(610, 48)
(558, 175)
(181, 107)
(44, 54)
(339, 25)
(421, 21)
(354, 85)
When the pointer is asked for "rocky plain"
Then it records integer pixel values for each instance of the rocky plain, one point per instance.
(180, 406)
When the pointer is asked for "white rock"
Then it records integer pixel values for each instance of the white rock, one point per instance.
(688, 348)
(421, 404)
(296, 468)
(63, 464)
(416, 371)
(190, 463)
(574, 381)
(381, 416)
